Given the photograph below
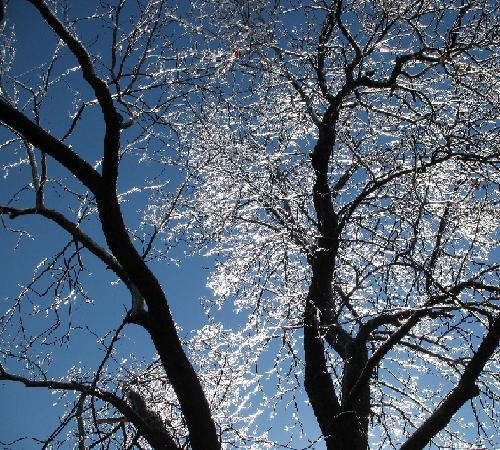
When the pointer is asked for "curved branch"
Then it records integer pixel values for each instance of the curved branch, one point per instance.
(303, 95)
(403, 330)
(317, 380)
(161, 326)
(326, 32)
(41, 139)
(159, 441)
(112, 118)
(347, 211)
(395, 318)
(76, 232)
(345, 32)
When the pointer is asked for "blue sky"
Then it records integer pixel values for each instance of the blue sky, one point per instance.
(29, 411)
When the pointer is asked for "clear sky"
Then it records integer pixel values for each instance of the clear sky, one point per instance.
(31, 412)
(28, 412)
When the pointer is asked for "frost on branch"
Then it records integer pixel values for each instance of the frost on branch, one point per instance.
(336, 165)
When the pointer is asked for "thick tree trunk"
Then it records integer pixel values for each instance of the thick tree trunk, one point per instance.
(161, 327)
(356, 409)
(344, 424)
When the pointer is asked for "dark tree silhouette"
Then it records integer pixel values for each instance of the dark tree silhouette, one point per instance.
(340, 162)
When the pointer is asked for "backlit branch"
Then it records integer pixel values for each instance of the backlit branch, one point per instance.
(465, 390)
(160, 442)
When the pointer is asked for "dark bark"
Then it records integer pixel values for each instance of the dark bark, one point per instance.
(159, 439)
(319, 303)
(161, 327)
(465, 390)
(75, 231)
(318, 382)
(112, 118)
(201, 427)
(356, 407)
(344, 425)
(53, 147)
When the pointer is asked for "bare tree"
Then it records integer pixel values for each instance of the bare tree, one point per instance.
(119, 98)
(338, 160)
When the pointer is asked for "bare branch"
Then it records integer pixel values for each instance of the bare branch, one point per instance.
(111, 117)
(39, 138)
(163, 442)
(465, 390)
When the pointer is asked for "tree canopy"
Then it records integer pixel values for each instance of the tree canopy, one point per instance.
(335, 163)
